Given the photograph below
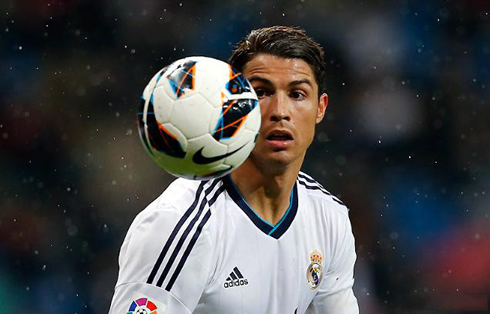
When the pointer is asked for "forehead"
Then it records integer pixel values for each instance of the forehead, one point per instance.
(270, 66)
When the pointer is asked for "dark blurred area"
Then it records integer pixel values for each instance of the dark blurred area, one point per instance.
(405, 143)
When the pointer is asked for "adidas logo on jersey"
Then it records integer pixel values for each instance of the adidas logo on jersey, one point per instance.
(235, 279)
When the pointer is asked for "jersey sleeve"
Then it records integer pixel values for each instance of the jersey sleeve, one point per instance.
(164, 262)
(335, 295)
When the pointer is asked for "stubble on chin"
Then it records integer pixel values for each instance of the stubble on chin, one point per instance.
(272, 164)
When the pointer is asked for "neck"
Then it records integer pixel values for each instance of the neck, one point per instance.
(266, 191)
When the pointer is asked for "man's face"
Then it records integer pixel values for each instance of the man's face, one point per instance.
(288, 96)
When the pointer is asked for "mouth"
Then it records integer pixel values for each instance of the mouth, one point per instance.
(279, 135)
(279, 139)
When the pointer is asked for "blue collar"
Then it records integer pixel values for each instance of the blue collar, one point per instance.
(274, 231)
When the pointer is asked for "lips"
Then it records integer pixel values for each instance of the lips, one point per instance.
(279, 139)
(279, 135)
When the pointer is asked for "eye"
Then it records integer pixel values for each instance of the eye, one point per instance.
(297, 94)
(261, 93)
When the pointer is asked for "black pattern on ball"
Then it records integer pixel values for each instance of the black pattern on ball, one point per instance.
(182, 78)
(233, 114)
(160, 138)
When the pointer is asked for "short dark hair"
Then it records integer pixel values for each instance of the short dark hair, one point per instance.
(285, 42)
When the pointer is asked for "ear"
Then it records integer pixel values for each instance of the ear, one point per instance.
(322, 106)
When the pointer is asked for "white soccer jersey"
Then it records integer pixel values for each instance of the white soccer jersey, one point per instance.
(199, 248)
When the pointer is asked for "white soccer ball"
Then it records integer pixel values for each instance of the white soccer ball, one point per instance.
(199, 118)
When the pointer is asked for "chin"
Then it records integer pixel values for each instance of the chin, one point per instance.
(278, 160)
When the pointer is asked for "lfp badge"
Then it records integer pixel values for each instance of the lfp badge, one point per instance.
(142, 306)
(314, 273)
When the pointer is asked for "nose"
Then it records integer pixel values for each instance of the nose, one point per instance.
(279, 108)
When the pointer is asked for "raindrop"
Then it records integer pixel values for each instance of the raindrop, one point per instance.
(72, 230)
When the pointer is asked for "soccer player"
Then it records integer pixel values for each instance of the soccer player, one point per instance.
(265, 239)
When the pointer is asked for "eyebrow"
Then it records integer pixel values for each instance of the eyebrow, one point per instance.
(260, 79)
(290, 84)
(299, 82)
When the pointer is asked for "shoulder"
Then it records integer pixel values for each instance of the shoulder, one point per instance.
(178, 194)
(181, 196)
(173, 202)
(168, 246)
(168, 230)
(319, 195)
(183, 203)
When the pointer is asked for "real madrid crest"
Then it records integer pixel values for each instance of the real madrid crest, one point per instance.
(314, 273)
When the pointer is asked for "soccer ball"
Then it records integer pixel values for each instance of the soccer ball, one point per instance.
(199, 118)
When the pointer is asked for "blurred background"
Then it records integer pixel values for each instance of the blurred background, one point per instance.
(405, 143)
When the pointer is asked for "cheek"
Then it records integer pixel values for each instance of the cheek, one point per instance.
(307, 124)
(307, 114)
(263, 108)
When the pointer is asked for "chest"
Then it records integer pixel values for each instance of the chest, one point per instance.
(256, 273)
